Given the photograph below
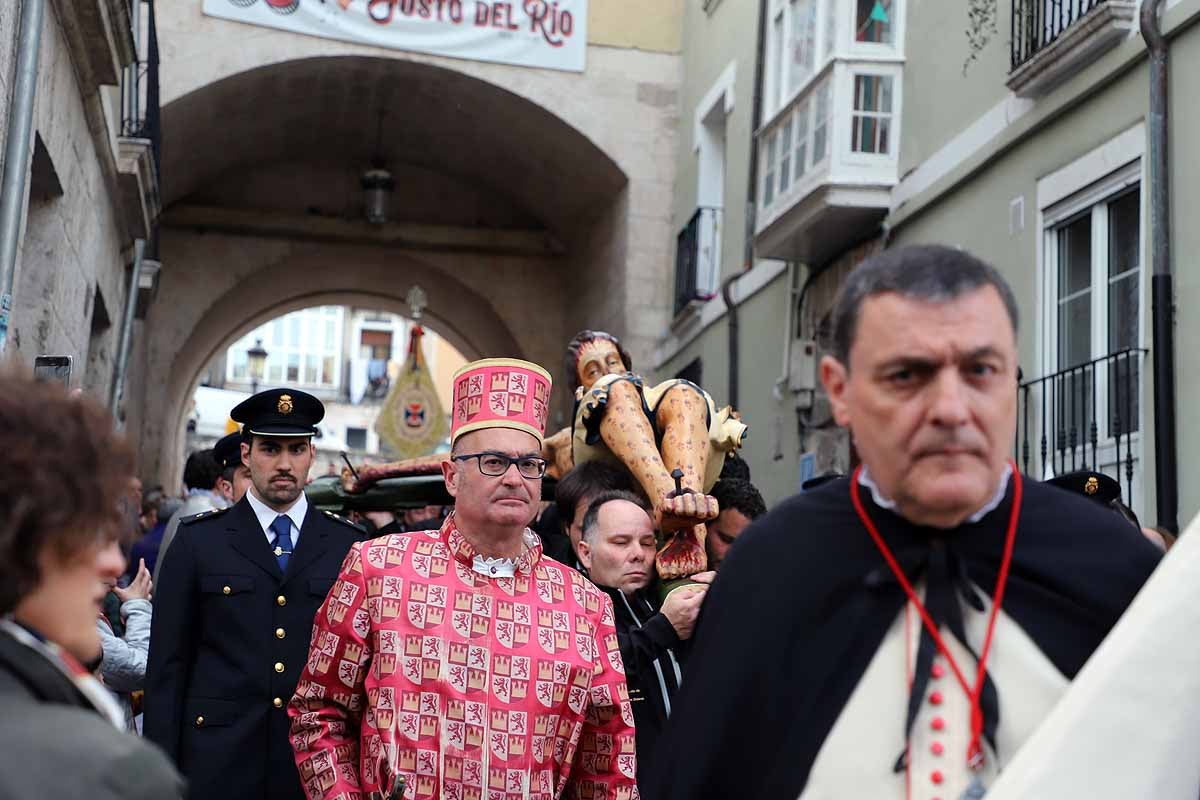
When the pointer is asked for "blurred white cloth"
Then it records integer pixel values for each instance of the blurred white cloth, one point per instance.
(1127, 726)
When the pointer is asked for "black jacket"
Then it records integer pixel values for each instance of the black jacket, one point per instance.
(653, 660)
(804, 598)
(229, 638)
(54, 743)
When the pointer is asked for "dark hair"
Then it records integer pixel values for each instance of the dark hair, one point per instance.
(66, 475)
(591, 478)
(576, 345)
(592, 515)
(734, 467)
(201, 470)
(922, 272)
(739, 495)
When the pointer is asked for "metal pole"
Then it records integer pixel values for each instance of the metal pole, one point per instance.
(118, 382)
(1162, 291)
(18, 139)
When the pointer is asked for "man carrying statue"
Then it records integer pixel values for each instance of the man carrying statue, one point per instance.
(671, 437)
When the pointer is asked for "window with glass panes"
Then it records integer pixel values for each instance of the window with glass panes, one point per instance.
(303, 349)
(872, 118)
(802, 37)
(1097, 307)
(874, 21)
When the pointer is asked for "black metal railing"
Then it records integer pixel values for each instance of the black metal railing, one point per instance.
(1082, 417)
(1037, 24)
(140, 82)
(696, 248)
(140, 107)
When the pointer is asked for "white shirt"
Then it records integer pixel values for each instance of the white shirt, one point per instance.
(864, 479)
(266, 515)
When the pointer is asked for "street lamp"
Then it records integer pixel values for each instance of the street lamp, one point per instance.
(256, 362)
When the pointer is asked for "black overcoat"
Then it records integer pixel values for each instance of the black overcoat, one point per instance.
(229, 638)
(801, 603)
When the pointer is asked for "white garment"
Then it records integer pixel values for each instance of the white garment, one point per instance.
(864, 479)
(266, 515)
(858, 755)
(1127, 727)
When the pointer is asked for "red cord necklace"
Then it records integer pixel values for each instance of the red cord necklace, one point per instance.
(974, 749)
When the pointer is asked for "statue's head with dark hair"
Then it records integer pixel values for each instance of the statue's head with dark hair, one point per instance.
(928, 272)
(591, 354)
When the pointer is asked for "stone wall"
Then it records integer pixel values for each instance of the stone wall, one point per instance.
(72, 244)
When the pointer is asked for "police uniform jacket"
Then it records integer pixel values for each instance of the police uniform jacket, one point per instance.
(230, 636)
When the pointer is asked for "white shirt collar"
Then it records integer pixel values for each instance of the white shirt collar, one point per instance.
(864, 479)
(266, 515)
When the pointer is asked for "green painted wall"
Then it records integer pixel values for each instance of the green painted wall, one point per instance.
(975, 215)
(773, 445)
(941, 98)
(710, 42)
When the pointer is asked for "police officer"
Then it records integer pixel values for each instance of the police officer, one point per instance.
(234, 613)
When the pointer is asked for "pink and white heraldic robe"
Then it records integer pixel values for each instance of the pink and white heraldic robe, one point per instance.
(468, 679)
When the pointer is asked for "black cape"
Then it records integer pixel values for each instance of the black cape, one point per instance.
(799, 609)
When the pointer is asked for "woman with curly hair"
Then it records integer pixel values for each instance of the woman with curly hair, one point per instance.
(64, 474)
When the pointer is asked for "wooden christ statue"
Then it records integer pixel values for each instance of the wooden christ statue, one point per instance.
(653, 431)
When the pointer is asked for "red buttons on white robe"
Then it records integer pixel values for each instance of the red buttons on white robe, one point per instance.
(938, 724)
(935, 698)
(936, 776)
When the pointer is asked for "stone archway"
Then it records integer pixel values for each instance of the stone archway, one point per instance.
(514, 222)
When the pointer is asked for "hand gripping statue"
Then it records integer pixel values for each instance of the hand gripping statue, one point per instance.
(670, 436)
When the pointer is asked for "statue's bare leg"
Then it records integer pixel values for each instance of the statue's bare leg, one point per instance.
(630, 437)
(682, 416)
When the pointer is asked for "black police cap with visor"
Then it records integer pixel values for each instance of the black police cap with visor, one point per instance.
(279, 412)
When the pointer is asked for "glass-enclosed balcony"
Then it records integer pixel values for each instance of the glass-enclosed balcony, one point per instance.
(828, 149)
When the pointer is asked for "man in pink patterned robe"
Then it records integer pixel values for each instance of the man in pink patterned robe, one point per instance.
(461, 663)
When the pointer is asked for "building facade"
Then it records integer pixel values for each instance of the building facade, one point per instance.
(1016, 129)
(347, 357)
(88, 187)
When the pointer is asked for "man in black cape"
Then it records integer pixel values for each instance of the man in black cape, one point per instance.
(838, 653)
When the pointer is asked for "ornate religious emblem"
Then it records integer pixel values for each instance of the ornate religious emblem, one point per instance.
(1092, 486)
(285, 404)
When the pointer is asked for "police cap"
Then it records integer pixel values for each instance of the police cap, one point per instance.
(228, 450)
(1091, 484)
(279, 412)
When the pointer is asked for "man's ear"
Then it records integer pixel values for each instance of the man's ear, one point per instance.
(585, 554)
(451, 475)
(835, 379)
(245, 454)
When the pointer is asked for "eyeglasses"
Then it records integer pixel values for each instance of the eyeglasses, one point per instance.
(495, 465)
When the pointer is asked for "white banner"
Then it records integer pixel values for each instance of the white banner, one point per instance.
(551, 34)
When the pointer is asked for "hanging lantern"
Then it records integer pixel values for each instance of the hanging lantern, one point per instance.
(378, 185)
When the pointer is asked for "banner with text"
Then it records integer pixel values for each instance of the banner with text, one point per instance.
(529, 33)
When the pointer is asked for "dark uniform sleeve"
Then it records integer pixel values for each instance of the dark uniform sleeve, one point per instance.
(727, 713)
(172, 645)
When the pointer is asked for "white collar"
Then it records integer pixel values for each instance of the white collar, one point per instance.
(266, 515)
(864, 479)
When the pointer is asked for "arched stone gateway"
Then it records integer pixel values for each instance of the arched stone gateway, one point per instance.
(517, 223)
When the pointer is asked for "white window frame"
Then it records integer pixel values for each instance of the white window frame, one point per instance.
(888, 116)
(1093, 201)
(827, 44)
(894, 48)
(1091, 182)
(280, 349)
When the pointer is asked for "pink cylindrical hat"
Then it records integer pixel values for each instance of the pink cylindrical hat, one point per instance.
(501, 393)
